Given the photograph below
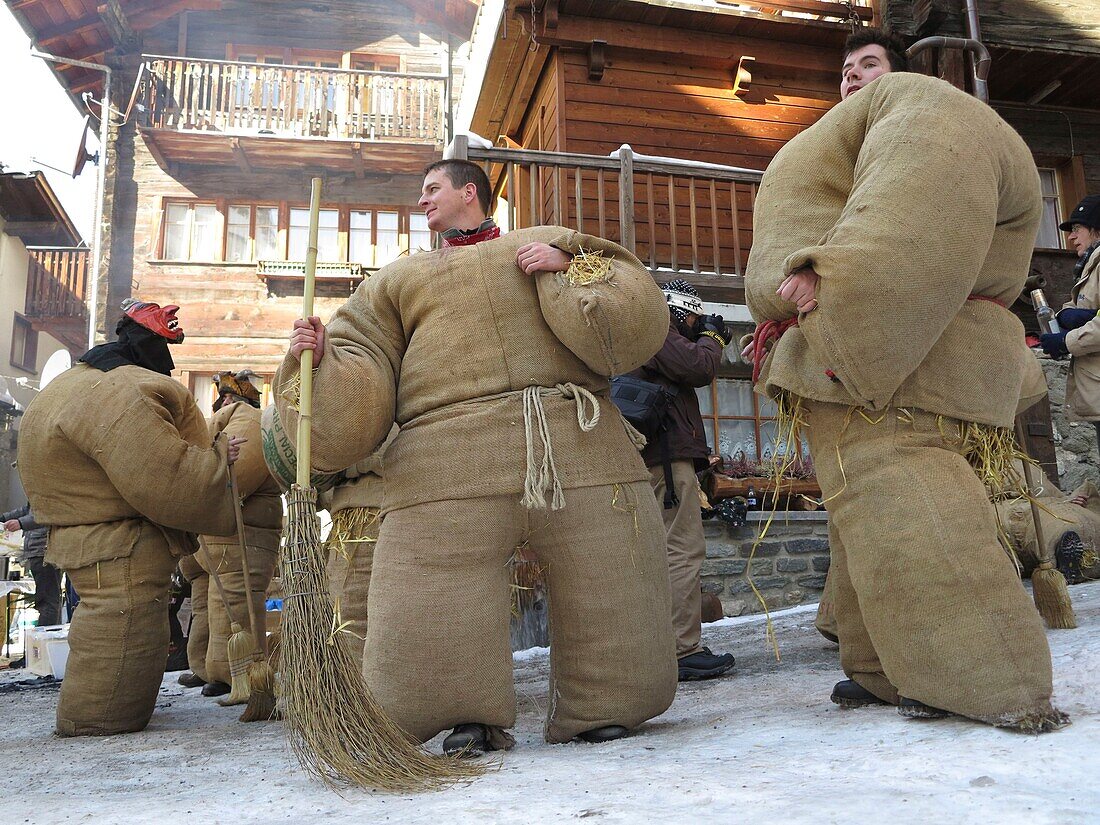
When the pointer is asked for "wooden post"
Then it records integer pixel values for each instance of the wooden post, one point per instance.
(626, 197)
(460, 147)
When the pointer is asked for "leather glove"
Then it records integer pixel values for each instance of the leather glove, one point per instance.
(1072, 317)
(1054, 344)
(713, 326)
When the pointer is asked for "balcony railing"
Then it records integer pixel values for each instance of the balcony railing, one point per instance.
(241, 98)
(678, 216)
(57, 283)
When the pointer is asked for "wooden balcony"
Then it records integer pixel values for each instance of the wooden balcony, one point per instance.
(255, 115)
(57, 288)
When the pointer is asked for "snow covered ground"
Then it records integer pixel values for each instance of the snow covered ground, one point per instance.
(765, 745)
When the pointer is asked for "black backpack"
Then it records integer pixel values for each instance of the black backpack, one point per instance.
(645, 406)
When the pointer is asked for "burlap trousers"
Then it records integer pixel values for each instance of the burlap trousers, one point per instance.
(687, 548)
(350, 547)
(225, 557)
(928, 605)
(438, 653)
(118, 641)
(198, 633)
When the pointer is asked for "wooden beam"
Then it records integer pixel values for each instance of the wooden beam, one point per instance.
(89, 54)
(579, 32)
(146, 14)
(51, 34)
(360, 161)
(928, 15)
(118, 27)
(455, 17)
(19, 5)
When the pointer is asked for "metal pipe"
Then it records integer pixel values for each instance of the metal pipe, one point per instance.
(974, 48)
(974, 32)
(101, 180)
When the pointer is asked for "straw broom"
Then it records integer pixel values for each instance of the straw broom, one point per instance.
(260, 676)
(1048, 585)
(337, 729)
(238, 646)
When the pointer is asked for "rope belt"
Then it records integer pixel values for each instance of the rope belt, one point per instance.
(542, 477)
(771, 331)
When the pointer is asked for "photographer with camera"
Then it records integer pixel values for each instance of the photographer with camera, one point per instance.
(688, 359)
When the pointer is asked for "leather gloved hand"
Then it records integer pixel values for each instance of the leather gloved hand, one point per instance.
(713, 326)
(1072, 317)
(1054, 344)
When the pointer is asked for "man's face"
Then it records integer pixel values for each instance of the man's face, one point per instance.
(443, 205)
(861, 67)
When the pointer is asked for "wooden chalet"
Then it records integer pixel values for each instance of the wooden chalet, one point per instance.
(224, 110)
(567, 82)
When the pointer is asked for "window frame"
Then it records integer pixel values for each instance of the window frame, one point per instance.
(714, 417)
(1058, 200)
(30, 344)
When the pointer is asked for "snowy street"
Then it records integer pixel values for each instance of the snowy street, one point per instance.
(765, 745)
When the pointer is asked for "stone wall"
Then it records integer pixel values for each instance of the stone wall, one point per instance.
(1074, 441)
(788, 568)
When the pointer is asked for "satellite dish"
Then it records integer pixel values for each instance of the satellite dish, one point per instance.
(82, 156)
(55, 365)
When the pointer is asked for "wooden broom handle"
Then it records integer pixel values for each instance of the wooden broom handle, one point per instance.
(259, 637)
(305, 402)
(218, 582)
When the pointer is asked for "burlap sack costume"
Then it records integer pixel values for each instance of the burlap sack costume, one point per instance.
(121, 464)
(507, 436)
(263, 516)
(198, 633)
(918, 207)
(356, 509)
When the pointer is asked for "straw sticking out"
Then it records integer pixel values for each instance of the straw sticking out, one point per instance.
(589, 267)
(337, 729)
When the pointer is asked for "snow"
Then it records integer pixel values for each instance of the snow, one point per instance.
(765, 745)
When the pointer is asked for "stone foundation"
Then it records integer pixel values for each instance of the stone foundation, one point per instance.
(1074, 441)
(788, 567)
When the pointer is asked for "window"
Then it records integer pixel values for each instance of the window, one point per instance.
(238, 240)
(743, 421)
(267, 233)
(388, 244)
(191, 231)
(360, 240)
(328, 235)
(1049, 237)
(420, 237)
(24, 344)
(251, 233)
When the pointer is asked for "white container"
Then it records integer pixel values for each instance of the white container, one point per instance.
(47, 650)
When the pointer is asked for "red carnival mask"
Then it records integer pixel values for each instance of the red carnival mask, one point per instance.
(155, 318)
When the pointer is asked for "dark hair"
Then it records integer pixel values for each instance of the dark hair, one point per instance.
(893, 45)
(462, 172)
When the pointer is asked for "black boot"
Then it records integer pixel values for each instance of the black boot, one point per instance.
(607, 733)
(912, 709)
(851, 694)
(1068, 555)
(703, 665)
(215, 689)
(467, 740)
(191, 680)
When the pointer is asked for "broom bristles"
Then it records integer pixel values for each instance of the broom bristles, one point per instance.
(240, 649)
(1052, 598)
(261, 697)
(337, 729)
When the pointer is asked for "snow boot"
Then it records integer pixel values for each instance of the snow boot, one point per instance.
(912, 709)
(467, 741)
(607, 733)
(1068, 556)
(215, 689)
(190, 680)
(703, 665)
(851, 694)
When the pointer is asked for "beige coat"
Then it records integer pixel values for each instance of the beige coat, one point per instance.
(106, 456)
(907, 199)
(1083, 343)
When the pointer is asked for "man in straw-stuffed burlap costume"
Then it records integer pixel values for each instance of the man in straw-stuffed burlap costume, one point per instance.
(355, 504)
(116, 456)
(889, 239)
(237, 413)
(493, 355)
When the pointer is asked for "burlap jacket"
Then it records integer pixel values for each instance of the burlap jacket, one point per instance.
(444, 343)
(912, 201)
(1083, 343)
(261, 502)
(105, 456)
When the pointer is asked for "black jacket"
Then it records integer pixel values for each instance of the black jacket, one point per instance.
(680, 366)
(35, 535)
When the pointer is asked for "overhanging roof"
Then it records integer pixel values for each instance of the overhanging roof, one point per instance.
(33, 213)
